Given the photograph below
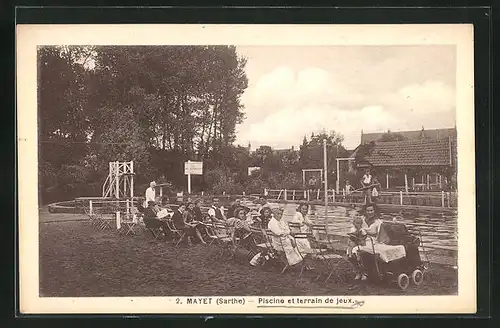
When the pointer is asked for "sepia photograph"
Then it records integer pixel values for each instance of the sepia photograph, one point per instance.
(246, 171)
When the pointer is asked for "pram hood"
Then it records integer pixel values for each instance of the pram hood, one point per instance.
(391, 233)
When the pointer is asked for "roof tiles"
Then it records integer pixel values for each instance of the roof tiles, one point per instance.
(410, 153)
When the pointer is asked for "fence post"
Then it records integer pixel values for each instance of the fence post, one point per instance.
(118, 223)
(305, 195)
(90, 207)
(293, 196)
(285, 196)
(448, 197)
(400, 198)
(442, 198)
(333, 195)
(128, 207)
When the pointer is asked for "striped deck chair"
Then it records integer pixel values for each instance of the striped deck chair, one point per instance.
(294, 228)
(323, 250)
(305, 257)
(259, 238)
(97, 221)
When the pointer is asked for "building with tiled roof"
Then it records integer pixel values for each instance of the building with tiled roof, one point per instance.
(409, 153)
(422, 160)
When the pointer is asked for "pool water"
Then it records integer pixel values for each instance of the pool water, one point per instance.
(436, 230)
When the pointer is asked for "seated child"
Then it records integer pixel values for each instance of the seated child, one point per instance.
(357, 237)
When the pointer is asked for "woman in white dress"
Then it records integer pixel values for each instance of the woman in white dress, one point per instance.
(301, 217)
(283, 241)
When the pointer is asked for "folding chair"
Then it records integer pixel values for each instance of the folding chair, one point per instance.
(280, 255)
(106, 221)
(175, 231)
(153, 227)
(90, 217)
(294, 228)
(129, 225)
(305, 257)
(321, 250)
(224, 239)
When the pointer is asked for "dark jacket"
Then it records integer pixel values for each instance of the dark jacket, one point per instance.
(218, 213)
(178, 219)
(198, 216)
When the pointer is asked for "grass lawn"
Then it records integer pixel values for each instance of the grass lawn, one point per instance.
(77, 261)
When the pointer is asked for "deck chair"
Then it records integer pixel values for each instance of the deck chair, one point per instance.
(107, 221)
(294, 228)
(280, 255)
(323, 250)
(224, 240)
(305, 257)
(129, 226)
(259, 238)
(153, 226)
(97, 221)
(176, 232)
(91, 220)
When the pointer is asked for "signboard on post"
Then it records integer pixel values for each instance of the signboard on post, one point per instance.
(195, 168)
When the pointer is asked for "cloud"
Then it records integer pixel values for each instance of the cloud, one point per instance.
(426, 98)
(286, 104)
(287, 126)
(284, 87)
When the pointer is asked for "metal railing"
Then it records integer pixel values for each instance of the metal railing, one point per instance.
(444, 199)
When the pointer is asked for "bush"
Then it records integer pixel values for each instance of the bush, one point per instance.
(221, 180)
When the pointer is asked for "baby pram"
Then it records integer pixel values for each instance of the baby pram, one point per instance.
(394, 256)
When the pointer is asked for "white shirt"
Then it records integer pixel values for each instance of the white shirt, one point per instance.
(303, 221)
(367, 179)
(374, 228)
(278, 227)
(211, 211)
(150, 195)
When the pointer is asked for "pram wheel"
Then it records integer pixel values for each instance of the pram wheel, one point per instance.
(403, 281)
(417, 277)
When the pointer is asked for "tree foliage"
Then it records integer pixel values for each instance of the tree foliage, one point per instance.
(158, 106)
(155, 105)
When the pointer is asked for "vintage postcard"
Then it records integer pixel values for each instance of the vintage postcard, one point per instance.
(246, 169)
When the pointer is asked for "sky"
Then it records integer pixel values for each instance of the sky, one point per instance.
(296, 90)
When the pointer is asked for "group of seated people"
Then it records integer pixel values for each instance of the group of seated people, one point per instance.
(190, 219)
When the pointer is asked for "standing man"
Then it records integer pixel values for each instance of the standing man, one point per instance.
(151, 193)
(366, 182)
